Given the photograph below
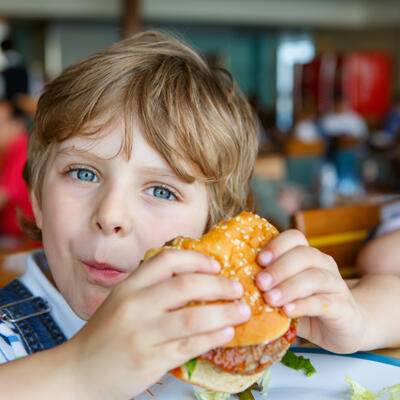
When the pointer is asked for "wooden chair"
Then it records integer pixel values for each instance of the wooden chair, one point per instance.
(12, 260)
(339, 231)
(10, 267)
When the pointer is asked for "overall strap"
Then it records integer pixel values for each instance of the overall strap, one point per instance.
(31, 316)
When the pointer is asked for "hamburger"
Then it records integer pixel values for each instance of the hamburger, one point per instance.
(266, 336)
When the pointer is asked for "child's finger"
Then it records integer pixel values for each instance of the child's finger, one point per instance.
(307, 283)
(197, 320)
(182, 289)
(291, 263)
(174, 354)
(319, 305)
(280, 245)
(169, 262)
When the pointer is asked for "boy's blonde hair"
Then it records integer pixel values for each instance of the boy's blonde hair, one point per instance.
(191, 114)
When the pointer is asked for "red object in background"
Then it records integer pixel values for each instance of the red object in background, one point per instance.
(365, 79)
(316, 82)
(367, 82)
(13, 185)
(306, 85)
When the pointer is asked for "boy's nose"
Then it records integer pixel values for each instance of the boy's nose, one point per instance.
(115, 229)
(112, 216)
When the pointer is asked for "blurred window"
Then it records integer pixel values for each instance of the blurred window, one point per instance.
(291, 50)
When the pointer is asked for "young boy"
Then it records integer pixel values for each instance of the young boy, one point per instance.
(132, 147)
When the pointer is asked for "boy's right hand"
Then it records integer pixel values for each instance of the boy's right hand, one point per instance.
(141, 330)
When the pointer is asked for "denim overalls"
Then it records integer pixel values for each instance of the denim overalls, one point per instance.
(31, 316)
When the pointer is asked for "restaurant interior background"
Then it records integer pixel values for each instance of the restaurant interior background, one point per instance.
(302, 64)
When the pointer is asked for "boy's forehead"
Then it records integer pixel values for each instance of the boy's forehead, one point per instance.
(101, 145)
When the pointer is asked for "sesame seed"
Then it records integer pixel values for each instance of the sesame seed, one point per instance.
(246, 237)
(227, 234)
(224, 227)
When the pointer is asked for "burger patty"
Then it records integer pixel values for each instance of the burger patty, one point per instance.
(253, 358)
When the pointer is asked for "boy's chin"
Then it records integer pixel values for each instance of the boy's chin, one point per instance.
(91, 303)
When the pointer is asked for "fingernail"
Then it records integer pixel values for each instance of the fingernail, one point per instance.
(238, 288)
(228, 332)
(265, 257)
(244, 309)
(265, 280)
(274, 295)
(290, 307)
(215, 264)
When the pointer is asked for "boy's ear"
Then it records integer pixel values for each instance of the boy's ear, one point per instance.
(37, 211)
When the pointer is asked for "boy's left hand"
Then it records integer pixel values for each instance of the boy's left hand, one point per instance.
(306, 283)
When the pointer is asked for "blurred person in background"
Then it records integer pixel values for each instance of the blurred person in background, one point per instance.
(13, 191)
(345, 133)
(392, 120)
(343, 121)
(381, 253)
(16, 83)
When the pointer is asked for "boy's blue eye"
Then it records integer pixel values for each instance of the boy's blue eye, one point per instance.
(162, 193)
(83, 174)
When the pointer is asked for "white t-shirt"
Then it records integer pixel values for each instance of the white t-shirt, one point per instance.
(11, 343)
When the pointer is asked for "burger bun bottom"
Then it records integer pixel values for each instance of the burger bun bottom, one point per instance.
(209, 377)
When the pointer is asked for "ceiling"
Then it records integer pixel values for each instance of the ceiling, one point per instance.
(313, 13)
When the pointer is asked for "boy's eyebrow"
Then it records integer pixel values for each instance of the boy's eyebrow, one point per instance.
(76, 150)
(160, 172)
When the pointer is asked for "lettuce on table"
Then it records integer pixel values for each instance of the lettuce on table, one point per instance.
(359, 392)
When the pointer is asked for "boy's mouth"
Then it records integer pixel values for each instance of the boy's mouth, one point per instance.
(102, 273)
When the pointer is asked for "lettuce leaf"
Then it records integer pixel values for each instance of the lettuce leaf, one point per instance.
(394, 392)
(246, 395)
(296, 362)
(359, 392)
(190, 366)
(264, 381)
(203, 394)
